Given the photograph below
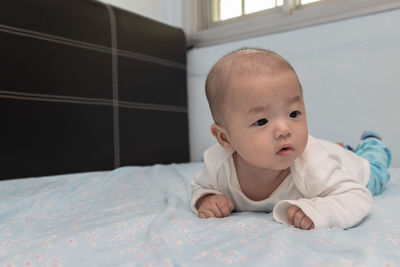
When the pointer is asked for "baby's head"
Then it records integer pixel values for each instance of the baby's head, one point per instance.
(247, 62)
(257, 105)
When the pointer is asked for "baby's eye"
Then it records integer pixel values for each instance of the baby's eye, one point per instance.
(260, 122)
(294, 114)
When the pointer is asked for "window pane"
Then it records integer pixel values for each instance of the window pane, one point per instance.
(279, 2)
(230, 9)
(251, 6)
(305, 2)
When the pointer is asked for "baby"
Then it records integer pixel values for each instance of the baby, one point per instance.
(265, 160)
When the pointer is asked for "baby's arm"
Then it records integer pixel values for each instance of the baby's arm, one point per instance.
(299, 219)
(214, 206)
(338, 200)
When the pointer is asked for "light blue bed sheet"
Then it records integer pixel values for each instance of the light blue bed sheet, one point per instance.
(140, 216)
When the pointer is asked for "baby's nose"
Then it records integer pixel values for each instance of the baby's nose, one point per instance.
(283, 129)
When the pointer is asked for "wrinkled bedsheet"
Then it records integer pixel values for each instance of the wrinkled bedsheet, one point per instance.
(140, 216)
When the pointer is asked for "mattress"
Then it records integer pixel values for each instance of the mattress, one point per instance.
(140, 216)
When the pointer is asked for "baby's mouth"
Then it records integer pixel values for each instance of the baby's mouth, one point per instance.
(285, 151)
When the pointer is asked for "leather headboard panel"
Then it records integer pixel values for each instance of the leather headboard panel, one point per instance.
(86, 87)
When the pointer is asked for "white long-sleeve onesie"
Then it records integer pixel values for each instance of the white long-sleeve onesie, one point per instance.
(327, 182)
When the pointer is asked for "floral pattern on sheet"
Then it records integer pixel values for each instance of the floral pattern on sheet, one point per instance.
(140, 216)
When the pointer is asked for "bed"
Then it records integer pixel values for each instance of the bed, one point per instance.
(95, 161)
(140, 216)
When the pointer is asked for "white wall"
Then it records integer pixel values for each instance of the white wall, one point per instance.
(166, 11)
(350, 72)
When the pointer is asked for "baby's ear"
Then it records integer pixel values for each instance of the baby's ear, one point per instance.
(221, 135)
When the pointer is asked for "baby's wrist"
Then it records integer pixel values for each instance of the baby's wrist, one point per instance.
(201, 200)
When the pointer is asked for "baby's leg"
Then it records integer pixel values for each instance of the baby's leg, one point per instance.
(376, 152)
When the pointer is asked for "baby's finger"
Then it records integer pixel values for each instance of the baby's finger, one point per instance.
(231, 206)
(224, 209)
(298, 217)
(306, 223)
(291, 212)
(206, 213)
(217, 212)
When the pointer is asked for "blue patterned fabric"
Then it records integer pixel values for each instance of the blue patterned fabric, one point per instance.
(379, 157)
(140, 216)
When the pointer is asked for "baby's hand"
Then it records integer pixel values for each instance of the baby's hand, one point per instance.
(299, 219)
(214, 206)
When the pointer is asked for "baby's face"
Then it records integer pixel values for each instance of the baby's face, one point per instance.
(266, 120)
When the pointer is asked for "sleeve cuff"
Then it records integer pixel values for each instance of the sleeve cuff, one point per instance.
(281, 212)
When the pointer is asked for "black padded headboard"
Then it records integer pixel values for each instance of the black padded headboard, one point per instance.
(85, 87)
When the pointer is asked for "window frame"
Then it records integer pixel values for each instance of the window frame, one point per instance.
(201, 32)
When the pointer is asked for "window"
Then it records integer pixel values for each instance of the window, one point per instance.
(209, 22)
(227, 9)
(221, 12)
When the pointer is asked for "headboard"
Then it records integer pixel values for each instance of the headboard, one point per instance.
(85, 86)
